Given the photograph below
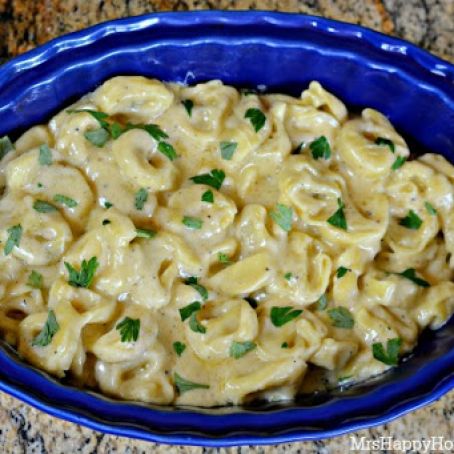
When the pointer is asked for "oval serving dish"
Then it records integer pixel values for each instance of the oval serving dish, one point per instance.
(279, 52)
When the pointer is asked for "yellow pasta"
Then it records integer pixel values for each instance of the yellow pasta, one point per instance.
(205, 246)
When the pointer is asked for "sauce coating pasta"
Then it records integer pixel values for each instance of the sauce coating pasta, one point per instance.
(200, 245)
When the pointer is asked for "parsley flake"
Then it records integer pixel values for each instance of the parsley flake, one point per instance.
(145, 233)
(224, 258)
(284, 345)
(256, 117)
(84, 277)
(129, 329)
(399, 162)
(192, 223)
(320, 148)
(107, 204)
(167, 150)
(14, 236)
(5, 146)
(411, 221)
(342, 271)
(184, 385)
(35, 279)
(195, 325)
(140, 198)
(100, 117)
(410, 274)
(288, 276)
(193, 282)
(239, 349)
(97, 137)
(228, 149)
(282, 315)
(338, 218)
(179, 348)
(188, 105)
(45, 155)
(70, 203)
(430, 208)
(187, 311)
(322, 303)
(48, 331)
(341, 317)
(43, 207)
(214, 179)
(385, 142)
(391, 355)
(208, 196)
(282, 216)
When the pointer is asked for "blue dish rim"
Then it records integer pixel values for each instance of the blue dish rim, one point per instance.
(385, 44)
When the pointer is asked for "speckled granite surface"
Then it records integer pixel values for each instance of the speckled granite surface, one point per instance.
(26, 23)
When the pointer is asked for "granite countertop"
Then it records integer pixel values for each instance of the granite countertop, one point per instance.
(27, 23)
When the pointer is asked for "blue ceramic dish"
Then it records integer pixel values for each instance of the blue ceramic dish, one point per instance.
(283, 52)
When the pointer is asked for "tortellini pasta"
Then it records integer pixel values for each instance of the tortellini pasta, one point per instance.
(200, 245)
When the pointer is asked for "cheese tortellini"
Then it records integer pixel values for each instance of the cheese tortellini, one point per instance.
(208, 246)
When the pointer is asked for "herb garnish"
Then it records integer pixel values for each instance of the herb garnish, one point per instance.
(35, 279)
(214, 179)
(97, 137)
(208, 196)
(195, 325)
(399, 162)
(188, 105)
(14, 236)
(410, 274)
(179, 347)
(145, 233)
(341, 317)
(239, 349)
(184, 385)
(140, 198)
(256, 117)
(282, 216)
(193, 282)
(411, 221)
(43, 207)
(320, 148)
(224, 258)
(129, 329)
(60, 198)
(45, 155)
(338, 218)
(187, 311)
(48, 331)
(192, 223)
(228, 149)
(84, 277)
(385, 142)
(342, 271)
(5, 146)
(282, 315)
(322, 303)
(430, 208)
(391, 356)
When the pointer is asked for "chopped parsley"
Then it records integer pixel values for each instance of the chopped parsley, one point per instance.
(338, 218)
(385, 142)
(411, 221)
(100, 117)
(84, 277)
(342, 271)
(193, 282)
(179, 347)
(129, 329)
(192, 223)
(48, 331)
(341, 317)
(430, 208)
(167, 150)
(187, 311)
(107, 204)
(282, 315)
(97, 137)
(43, 207)
(228, 149)
(214, 179)
(282, 216)
(14, 236)
(320, 148)
(284, 345)
(140, 198)
(188, 105)
(208, 196)
(5, 146)
(224, 258)
(322, 303)
(239, 349)
(35, 279)
(184, 385)
(410, 274)
(145, 233)
(391, 355)
(195, 325)
(70, 203)
(288, 276)
(45, 155)
(399, 162)
(256, 117)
